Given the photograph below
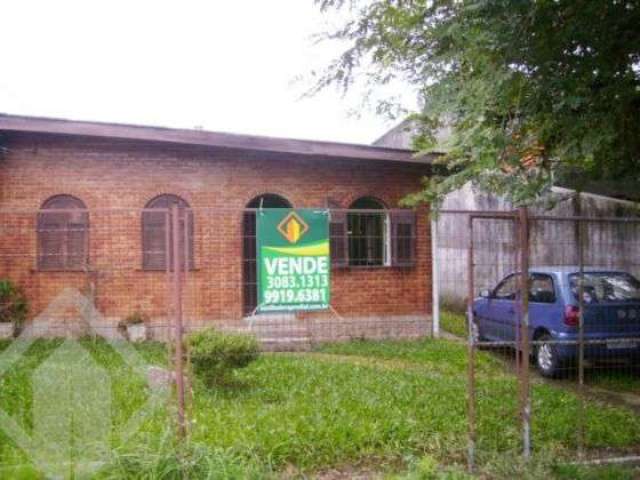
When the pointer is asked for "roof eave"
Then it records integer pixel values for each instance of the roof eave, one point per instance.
(14, 123)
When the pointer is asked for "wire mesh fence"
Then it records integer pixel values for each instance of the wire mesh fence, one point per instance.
(375, 293)
(566, 335)
(123, 263)
(544, 363)
(151, 275)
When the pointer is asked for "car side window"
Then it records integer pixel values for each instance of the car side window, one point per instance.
(507, 289)
(541, 289)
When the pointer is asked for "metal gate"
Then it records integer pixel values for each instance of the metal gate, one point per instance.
(506, 311)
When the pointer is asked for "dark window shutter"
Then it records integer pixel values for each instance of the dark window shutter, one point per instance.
(76, 245)
(188, 217)
(338, 238)
(403, 238)
(249, 264)
(63, 235)
(154, 240)
(51, 237)
(157, 243)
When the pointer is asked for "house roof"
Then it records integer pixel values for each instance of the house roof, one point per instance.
(401, 136)
(175, 136)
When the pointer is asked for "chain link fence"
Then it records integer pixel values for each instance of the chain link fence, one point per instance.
(566, 335)
(544, 364)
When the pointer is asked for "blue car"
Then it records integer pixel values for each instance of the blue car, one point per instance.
(611, 302)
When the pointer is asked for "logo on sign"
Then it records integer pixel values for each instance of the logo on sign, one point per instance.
(292, 227)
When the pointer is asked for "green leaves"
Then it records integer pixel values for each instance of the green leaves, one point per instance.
(215, 354)
(14, 305)
(530, 90)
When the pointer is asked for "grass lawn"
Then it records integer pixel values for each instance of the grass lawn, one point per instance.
(620, 379)
(385, 407)
(454, 323)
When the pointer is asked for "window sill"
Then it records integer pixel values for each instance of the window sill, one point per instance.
(373, 267)
(57, 270)
(151, 270)
(60, 270)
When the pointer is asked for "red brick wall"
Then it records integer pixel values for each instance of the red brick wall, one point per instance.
(116, 179)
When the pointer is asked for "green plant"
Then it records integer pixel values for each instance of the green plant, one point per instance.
(455, 323)
(136, 318)
(428, 468)
(215, 354)
(14, 306)
(384, 407)
(189, 460)
(518, 84)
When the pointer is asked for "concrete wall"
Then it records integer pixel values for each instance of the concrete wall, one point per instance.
(609, 244)
(552, 242)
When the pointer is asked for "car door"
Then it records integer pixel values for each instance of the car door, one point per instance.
(502, 312)
(544, 309)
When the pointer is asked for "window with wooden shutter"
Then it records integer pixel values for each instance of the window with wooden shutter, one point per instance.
(368, 233)
(403, 238)
(338, 238)
(63, 234)
(157, 233)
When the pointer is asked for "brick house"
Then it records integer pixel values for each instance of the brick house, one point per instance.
(77, 204)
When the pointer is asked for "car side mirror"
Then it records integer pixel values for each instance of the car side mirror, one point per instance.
(485, 293)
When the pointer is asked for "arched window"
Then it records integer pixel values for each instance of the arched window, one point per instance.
(368, 233)
(63, 234)
(249, 262)
(157, 233)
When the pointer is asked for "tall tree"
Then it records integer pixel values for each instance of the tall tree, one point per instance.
(533, 90)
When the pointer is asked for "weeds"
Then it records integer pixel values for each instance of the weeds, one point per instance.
(385, 403)
(454, 323)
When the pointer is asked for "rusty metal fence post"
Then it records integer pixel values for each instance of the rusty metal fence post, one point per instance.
(435, 296)
(188, 256)
(582, 412)
(471, 347)
(525, 398)
(176, 215)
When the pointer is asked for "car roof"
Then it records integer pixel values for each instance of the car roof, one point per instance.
(564, 269)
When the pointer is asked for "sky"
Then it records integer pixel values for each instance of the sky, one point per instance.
(231, 66)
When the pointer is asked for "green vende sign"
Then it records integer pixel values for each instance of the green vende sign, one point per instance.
(293, 259)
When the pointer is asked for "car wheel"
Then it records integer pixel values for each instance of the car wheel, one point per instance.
(547, 359)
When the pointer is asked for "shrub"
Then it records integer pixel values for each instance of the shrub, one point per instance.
(215, 354)
(136, 318)
(14, 306)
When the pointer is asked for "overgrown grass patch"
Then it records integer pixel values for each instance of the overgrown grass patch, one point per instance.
(316, 413)
(361, 403)
(555, 409)
(128, 393)
(437, 356)
(603, 472)
(618, 378)
(454, 323)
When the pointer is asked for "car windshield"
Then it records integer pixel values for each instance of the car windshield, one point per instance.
(606, 287)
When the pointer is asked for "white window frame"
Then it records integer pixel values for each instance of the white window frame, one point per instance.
(386, 240)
